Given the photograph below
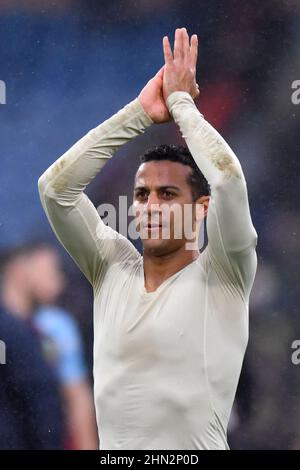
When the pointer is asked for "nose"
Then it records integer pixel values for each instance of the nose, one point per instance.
(153, 202)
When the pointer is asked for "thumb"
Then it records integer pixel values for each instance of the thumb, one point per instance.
(160, 73)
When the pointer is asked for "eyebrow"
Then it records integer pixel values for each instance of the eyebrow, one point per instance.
(169, 186)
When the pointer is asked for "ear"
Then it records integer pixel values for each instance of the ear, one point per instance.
(202, 204)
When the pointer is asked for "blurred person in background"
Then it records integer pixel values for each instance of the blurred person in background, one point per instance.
(32, 281)
(30, 404)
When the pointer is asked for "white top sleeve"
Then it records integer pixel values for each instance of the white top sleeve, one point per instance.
(72, 216)
(231, 236)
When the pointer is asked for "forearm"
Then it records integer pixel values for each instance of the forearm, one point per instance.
(229, 220)
(68, 176)
(210, 151)
(81, 416)
(72, 216)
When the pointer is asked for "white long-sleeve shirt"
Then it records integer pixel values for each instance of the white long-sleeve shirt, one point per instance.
(166, 363)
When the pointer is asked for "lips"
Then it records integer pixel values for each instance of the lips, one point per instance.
(151, 226)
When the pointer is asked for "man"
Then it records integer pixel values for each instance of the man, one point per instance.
(171, 326)
(32, 280)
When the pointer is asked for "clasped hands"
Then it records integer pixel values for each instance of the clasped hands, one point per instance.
(177, 74)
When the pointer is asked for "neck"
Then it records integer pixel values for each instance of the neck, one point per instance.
(17, 301)
(159, 268)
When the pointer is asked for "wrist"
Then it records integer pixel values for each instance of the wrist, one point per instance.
(143, 110)
(176, 96)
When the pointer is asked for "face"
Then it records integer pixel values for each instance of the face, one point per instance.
(45, 277)
(165, 214)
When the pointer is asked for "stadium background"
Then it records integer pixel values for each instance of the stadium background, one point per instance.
(68, 65)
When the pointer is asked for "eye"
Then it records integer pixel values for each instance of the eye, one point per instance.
(167, 194)
(141, 195)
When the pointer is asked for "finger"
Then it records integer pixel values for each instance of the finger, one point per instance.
(178, 51)
(167, 51)
(196, 91)
(185, 43)
(160, 73)
(194, 49)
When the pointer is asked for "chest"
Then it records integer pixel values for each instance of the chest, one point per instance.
(133, 326)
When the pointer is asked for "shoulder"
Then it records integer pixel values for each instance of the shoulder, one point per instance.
(235, 271)
(56, 322)
(15, 328)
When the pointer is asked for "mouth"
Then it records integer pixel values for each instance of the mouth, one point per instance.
(150, 225)
(152, 228)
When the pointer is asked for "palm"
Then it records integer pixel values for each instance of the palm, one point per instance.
(152, 100)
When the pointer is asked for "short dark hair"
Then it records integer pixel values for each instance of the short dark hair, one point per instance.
(177, 153)
(27, 248)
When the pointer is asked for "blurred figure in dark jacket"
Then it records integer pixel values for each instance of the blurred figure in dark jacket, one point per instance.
(30, 414)
(32, 281)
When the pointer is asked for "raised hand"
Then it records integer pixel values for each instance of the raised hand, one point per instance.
(152, 100)
(180, 67)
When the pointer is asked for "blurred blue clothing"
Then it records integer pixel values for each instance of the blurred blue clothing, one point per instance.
(30, 411)
(66, 355)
